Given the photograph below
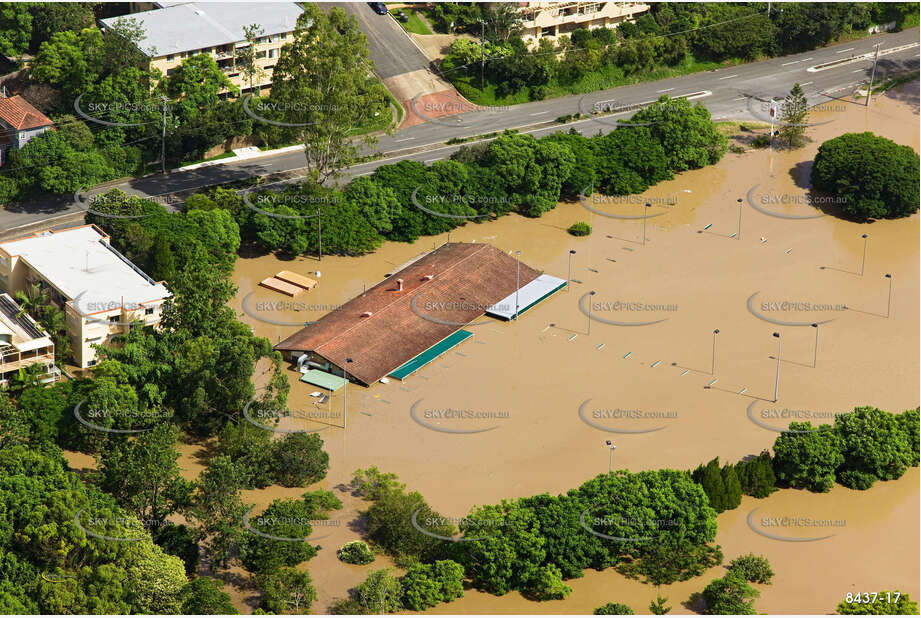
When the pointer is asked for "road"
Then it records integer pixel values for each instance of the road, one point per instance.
(738, 93)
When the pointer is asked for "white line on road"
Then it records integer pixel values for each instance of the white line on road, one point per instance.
(788, 63)
(539, 113)
(666, 90)
(740, 99)
(845, 50)
(433, 160)
(730, 76)
(365, 174)
(806, 84)
(405, 139)
(859, 71)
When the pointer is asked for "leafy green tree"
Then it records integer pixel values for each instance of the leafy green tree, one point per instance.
(670, 561)
(372, 484)
(143, 475)
(794, 113)
(733, 488)
(757, 476)
(197, 84)
(289, 521)
(355, 552)
(204, 596)
(15, 28)
(54, 166)
(910, 420)
(179, 540)
(613, 609)
(218, 509)
(752, 568)
(685, 131)
(807, 456)
(380, 593)
(886, 603)
(246, 56)
(299, 459)
(659, 607)
(376, 203)
(286, 590)
(69, 60)
(711, 479)
(323, 79)
(250, 446)
(872, 177)
(628, 160)
(874, 445)
(729, 595)
(49, 18)
(420, 590)
(546, 584)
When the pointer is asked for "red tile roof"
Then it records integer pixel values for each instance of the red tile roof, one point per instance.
(21, 115)
(466, 278)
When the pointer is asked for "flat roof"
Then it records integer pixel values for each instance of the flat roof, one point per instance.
(528, 295)
(192, 26)
(82, 266)
(391, 324)
(323, 379)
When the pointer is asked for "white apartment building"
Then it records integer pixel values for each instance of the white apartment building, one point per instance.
(551, 20)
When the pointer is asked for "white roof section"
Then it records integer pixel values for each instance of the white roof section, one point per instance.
(190, 26)
(12, 326)
(528, 295)
(82, 266)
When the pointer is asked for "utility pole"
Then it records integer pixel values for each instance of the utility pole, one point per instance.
(163, 141)
(482, 52)
(873, 74)
(319, 237)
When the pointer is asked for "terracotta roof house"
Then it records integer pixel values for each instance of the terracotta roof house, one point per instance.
(409, 312)
(20, 122)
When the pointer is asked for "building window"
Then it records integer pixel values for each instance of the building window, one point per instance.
(92, 362)
(113, 319)
(548, 31)
(169, 58)
(149, 311)
(170, 72)
(273, 53)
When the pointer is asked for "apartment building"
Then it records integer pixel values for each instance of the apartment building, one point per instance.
(23, 344)
(101, 292)
(179, 30)
(551, 20)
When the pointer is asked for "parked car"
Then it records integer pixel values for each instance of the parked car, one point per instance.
(379, 7)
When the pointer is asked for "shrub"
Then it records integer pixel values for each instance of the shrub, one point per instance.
(204, 596)
(761, 141)
(380, 593)
(580, 228)
(546, 584)
(613, 609)
(729, 595)
(807, 456)
(874, 445)
(752, 568)
(355, 552)
(872, 176)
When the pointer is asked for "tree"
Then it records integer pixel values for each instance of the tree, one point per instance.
(49, 18)
(218, 510)
(613, 609)
(144, 476)
(711, 479)
(733, 496)
(874, 445)
(198, 83)
(420, 590)
(685, 131)
(251, 447)
(326, 72)
(69, 60)
(287, 590)
(793, 115)
(658, 607)
(204, 596)
(299, 459)
(380, 593)
(885, 603)
(289, 522)
(752, 568)
(355, 552)
(807, 456)
(670, 561)
(15, 28)
(756, 476)
(872, 177)
(546, 584)
(246, 56)
(729, 595)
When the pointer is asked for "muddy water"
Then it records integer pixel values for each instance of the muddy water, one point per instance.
(531, 378)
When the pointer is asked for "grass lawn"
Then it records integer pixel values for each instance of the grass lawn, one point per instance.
(415, 23)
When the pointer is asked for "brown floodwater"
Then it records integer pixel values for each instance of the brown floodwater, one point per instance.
(533, 377)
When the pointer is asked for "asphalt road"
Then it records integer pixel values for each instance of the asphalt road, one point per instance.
(389, 46)
(738, 93)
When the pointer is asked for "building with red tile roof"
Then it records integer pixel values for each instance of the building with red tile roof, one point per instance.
(20, 122)
(410, 311)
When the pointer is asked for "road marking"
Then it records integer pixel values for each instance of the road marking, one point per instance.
(539, 113)
(845, 50)
(433, 160)
(405, 139)
(859, 71)
(806, 84)
(666, 90)
(364, 174)
(788, 63)
(730, 76)
(740, 99)
(809, 58)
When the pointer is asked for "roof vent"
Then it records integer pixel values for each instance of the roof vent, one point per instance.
(428, 277)
(367, 314)
(399, 285)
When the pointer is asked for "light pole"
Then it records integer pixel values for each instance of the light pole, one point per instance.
(645, 210)
(590, 294)
(739, 232)
(610, 446)
(864, 259)
(777, 379)
(873, 74)
(889, 302)
(815, 351)
(572, 252)
(517, 280)
(713, 356)
(345, 392)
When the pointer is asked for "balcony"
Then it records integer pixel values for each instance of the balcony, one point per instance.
(15, 362)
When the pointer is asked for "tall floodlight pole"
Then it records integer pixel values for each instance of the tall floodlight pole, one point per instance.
(572, 252)
(889, 302)
(873, 74)
(777, 378)
(319, 237)
(345, 393)
(517, 280)
(815, 350)
(163, 141)
(590, 294)
(739, 232)
(864, 259)
(645, 211)
(611, 446)
(482, 52)
(713, 355)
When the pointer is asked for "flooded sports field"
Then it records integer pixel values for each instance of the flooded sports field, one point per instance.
(638, 363)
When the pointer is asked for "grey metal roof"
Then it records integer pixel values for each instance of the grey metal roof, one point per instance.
(196, 25)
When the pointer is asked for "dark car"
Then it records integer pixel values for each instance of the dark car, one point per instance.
(379, 7)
